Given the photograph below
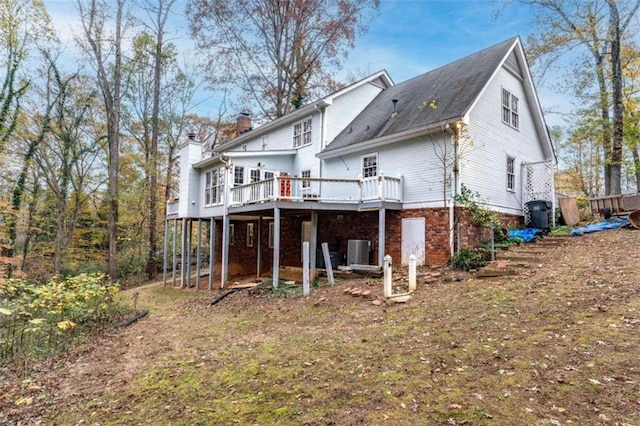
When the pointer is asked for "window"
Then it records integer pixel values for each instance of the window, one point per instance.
(510, 109)
(270, 242)
(306, 184)
(511, 174)
(249, 234)
(302, 133)
(213, 187)
(369, 165)
(232, 234)
(238, 175)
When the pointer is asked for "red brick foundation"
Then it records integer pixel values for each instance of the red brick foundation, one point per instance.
(337, 228)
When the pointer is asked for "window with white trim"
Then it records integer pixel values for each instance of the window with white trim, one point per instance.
(238, 175)
(306, 184)
(271, 228)
(302, 133)
(250, 234)
(511, 174)
(213, 187)
(510, 109)
(369, 165)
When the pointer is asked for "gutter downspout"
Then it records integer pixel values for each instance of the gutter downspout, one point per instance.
(224, 269)
(455, 188)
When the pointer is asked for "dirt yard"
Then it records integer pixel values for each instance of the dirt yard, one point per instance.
(556, 344)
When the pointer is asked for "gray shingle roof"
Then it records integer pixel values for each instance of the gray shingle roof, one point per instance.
(452, 88)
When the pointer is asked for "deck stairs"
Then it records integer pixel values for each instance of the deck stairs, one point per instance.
(523, 257)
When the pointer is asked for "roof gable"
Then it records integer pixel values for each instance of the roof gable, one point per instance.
(438, 96)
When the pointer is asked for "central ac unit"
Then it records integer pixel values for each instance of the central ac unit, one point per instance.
(358, 252)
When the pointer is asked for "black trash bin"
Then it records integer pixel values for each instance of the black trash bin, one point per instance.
(539, 214)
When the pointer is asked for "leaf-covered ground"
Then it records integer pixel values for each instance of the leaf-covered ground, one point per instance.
(557, 344)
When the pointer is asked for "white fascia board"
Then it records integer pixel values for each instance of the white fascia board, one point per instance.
(242, 154)
(389, 139)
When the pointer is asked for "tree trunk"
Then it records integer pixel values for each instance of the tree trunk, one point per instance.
(615, 184)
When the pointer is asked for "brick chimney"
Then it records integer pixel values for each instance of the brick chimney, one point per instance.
(243, 123)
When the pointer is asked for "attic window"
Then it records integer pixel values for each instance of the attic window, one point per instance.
(510, 109)
(302, 133)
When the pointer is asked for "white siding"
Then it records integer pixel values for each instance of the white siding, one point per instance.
(417, 161)
(346, 107)
(484, 167)
(190, 153)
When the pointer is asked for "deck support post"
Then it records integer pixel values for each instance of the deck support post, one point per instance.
(313, 244)
(165, 253)
(224, 269)
(381, 236)
(174, 255)
(276, 247)
(212, 252)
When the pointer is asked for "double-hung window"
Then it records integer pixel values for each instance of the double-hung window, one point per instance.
(213, 186)
(511, 174)
(306, 184)
(238, 175)
(510, 109)
(369, 165)
(302, 133)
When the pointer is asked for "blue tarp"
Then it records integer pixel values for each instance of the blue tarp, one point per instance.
(612, 223)
(527, 235)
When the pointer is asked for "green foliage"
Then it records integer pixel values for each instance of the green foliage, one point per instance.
(469, 259)
(479, 215)
(40, 320)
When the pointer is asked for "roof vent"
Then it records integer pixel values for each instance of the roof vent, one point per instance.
(191, 136)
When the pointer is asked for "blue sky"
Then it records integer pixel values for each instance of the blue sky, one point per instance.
(407, 37)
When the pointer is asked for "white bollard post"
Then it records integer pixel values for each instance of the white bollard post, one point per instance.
(387, 290)
(305, 269)
(412, 273)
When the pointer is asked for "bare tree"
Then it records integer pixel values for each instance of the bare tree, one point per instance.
(105, 52)
(599, 27)
(277, 51)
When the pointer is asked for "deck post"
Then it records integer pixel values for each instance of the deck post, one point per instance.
(188, 244)
(259, 242)
(306, 288)
(183, 252)
(165, 254)
(313, 243)
(174, 255)
(212, 252)
(381, 235)
(224, 269)
(276, 246)
(199, 254)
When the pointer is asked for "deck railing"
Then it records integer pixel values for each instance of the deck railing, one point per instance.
(290, 188)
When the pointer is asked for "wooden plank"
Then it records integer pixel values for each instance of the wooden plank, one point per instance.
(490, 273)
(327, 262)
(569, 208)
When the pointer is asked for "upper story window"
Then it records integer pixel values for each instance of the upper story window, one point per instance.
(369, 165)
(510, 109)
(238, 175)
(302, 133)
(511, 174)
(213, 186)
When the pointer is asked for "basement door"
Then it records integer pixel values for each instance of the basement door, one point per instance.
(413, 239)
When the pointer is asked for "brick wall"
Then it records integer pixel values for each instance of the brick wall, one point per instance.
(337, 228)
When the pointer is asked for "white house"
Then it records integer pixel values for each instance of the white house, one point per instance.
(370, 169)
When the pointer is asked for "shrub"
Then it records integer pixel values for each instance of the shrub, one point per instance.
(40, 320)
(469, 259)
